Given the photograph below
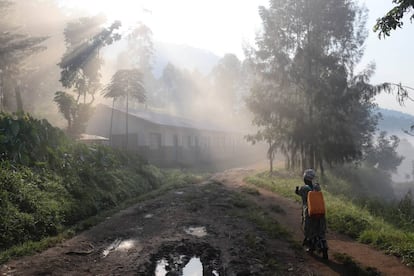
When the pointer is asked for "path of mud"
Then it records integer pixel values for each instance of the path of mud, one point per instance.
(200, 223)
(164, 230)
(365, 255)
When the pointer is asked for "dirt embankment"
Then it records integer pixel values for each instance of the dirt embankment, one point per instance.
(209, 226)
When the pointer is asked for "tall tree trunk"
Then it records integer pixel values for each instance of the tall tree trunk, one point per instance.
(312, 156)
(19, 101)
(287, 161)
(1, 92)
(110, 126)
(321, 166)
(271, 164)
(302, 156)
(270, 156)
(126, 121)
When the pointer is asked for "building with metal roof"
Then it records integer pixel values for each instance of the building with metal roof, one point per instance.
(166, 139)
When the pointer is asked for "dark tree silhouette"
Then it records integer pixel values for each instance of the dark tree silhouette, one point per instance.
(393, 19)
(125, 84)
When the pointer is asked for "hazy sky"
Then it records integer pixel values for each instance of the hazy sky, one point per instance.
(393, 56)
(221, 26)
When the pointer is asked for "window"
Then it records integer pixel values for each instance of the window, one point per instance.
(189, 141)
(155, 140)
(196, 142)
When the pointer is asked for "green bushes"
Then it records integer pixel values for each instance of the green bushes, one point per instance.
(32, 205)
(26, 140)
(48, 182)
(370, 189)
(367, 222)
(359, 182)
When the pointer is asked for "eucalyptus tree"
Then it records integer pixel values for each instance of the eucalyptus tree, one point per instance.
(67, 106)
(180, 89)
(226, 78)
(141, 48)
(15, 48)
(126, 83)
(81, 63)
(140, 54)
(384, 153)
(304, 63)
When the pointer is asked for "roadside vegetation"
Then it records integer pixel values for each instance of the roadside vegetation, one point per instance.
(51, 186)
(385, 224)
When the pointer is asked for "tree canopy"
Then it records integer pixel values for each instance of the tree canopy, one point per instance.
(15, 48)
(81, 63)
(80, 67)
(126, 83)
(394, 17)
(307, 99)
(226, 78)
(383, 154)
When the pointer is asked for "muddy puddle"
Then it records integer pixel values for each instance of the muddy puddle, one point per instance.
(193, 267)
(185, 258)
(196, 231)
(119, 245)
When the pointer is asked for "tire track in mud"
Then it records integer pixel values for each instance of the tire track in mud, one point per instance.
(364, 255)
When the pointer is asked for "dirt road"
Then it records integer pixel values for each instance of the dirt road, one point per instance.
(211, 228)
(375, 262)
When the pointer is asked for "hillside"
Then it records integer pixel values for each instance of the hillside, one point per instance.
(394, 121)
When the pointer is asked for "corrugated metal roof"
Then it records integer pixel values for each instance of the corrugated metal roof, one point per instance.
(90, 137)
(170, 120)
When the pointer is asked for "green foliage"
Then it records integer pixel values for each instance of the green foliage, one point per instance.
(32, 204)
(48, 182)
(359, 182)
(126, 83)
(393, 18)
(32, 246)
(141, 48)
(81, 63)
(384, 154)
(15, 48)
(307, 100)
(373, 221)
(77, 114)
(26, 140)
(227, 80)
(81, 66)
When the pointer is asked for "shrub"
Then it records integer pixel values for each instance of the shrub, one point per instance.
(355, 216)
(48, 182)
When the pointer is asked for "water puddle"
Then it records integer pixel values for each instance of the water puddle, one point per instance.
(160, 268)
(194, 267)
(199, 232)
(147, 216)
(119, 245)
(184, 258)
